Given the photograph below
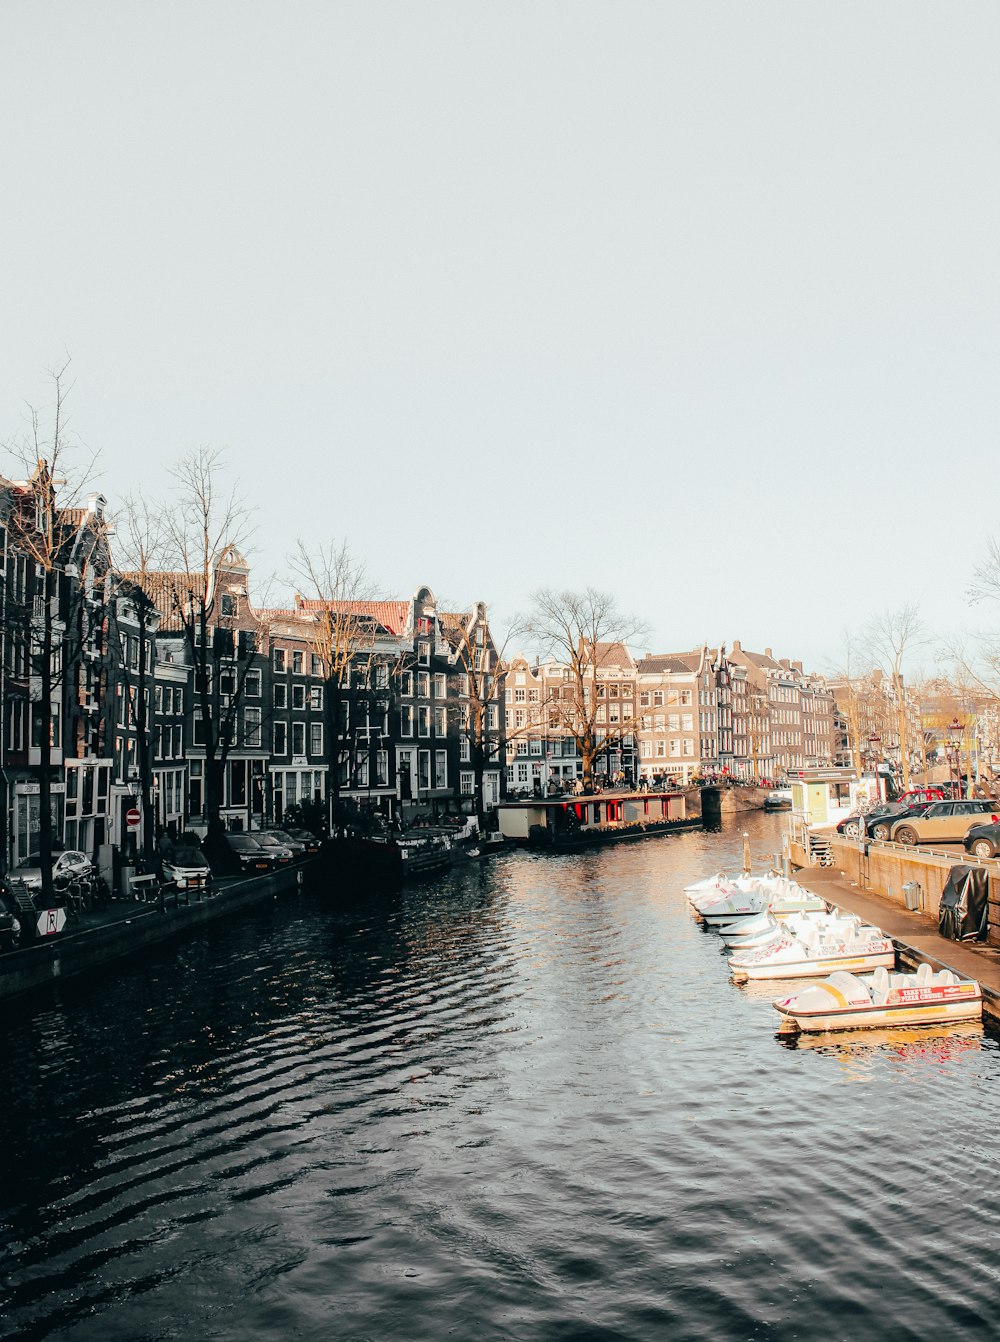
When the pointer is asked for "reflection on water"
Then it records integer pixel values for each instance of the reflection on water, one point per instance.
(524, 1101)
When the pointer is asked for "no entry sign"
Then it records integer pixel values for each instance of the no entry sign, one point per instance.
(132, 818)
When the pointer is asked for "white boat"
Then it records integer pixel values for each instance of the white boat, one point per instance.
(846, 1002)
(734, 936)
(816, 954)
(720, 886)
(781, 898)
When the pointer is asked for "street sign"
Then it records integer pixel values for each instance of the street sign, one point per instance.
(132, 818)
(50, 921)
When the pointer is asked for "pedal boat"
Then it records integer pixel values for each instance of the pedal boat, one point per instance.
(846, 1002)
(737, 939)
(816, 954)
(780, 899)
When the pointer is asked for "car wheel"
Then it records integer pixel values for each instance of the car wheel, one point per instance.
(905, 834)
(982, 848)
(880, 832)
(852, 829)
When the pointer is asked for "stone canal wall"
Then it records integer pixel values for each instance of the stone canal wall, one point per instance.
(884, 869)
(132, 929)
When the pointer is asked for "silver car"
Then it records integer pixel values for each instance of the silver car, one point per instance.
(68, 865)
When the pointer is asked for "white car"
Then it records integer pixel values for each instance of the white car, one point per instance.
(66, 866)
(187, 868)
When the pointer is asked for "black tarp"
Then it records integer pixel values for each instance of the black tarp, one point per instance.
(964, 913)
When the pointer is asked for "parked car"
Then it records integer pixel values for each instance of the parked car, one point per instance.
(930, 792)
(983, 840)
(943, 822)
(68, 865)
(308, 841)
(853, 825)
(239, 854)
(296, 846)
(274, 849)
(187, 868)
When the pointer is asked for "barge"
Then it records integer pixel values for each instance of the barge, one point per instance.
(566, 823)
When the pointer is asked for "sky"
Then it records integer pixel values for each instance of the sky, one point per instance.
(694, 303)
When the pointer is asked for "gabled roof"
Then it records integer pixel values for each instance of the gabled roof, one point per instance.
(391, 615)
(169, 593)
(664, 664)
(613, 654)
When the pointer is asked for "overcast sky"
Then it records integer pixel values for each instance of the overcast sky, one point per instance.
(696, 303)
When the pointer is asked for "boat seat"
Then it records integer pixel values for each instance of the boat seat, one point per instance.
(881, 985)
(946, 978)
(925, 973)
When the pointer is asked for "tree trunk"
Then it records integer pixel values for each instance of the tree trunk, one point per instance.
(45, 745)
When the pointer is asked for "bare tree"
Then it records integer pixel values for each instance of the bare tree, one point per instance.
(343, 632)
(890, 638)
(208, 519)
(48, 620)
(576, 628)
(141, 551)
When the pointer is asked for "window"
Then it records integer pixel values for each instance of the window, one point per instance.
(423, 721)
(298, 696)
(406, 720)
(466, 782)
(406, 683)
(228, 604)
(382, 675)
(280, 694)
(315, 738)
(252, 685)
(423, 684)
(279, 659)
(519, 696)
(464, 749)
(440, 722)
(492, 718)
(440, 687)
(251, 727)
(297, 662)
(199, 730)
(424, 654)
(194, 787)
(440, 768)
(316, 697)
(657, 698)
(281, 738)
(688, 746)
(675, 747)
(315, 664)
(423, 768)
(298, 738)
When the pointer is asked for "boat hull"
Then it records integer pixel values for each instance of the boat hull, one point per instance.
(860, 962)
(873, 1018)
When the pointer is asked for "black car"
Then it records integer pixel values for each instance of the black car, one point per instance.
(308, 841)
(983, 840)
(239, 854)
(872, 822)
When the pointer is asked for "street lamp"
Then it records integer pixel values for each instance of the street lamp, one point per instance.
(955, 754)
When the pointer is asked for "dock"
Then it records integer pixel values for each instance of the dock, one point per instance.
(914, 933)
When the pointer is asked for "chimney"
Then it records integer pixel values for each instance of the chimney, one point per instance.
(737, 645)
(769, 653)
(797, 666)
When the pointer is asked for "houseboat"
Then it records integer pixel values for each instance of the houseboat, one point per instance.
(578, 821)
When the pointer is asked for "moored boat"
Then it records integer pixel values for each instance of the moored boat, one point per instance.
(845, 1001)
(781, 898)
(816, 954)
(737, 939)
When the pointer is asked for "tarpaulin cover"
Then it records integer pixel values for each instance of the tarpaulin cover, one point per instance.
(964, 912)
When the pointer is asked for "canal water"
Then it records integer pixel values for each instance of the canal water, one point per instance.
(522, 1102)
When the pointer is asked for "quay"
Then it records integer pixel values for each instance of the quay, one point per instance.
(128, 927)
(914, 931)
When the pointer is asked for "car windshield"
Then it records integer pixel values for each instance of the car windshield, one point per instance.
(267, 841)
(281, 836)
(242, 843)
(188, 857)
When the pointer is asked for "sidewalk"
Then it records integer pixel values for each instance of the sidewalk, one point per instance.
(915, 934)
